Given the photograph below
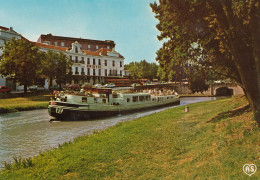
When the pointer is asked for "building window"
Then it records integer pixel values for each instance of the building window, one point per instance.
(99, 72)
(47, 42)
(108, 47)
(76, 70)
(88, 46)
(105, 62)
(113, 63)
(62, 43)
(88, 71)
(120, 73)
(96, 47)
(71, 58)
(94, 61)
(120, 63)
(76, 50)
(82, 71)
(94, 72)
(82, 60)
(105, 72)
(76, 59)
(88, 61)
(56, 43)
(99, 61)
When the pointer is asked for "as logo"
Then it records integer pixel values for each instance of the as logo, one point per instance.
(249, 169)
(59, 110)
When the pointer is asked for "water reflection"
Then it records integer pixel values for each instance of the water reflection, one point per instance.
(30, 132)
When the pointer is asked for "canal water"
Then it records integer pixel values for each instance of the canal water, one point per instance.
(27, 133)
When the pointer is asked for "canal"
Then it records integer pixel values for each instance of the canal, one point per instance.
(27, 133)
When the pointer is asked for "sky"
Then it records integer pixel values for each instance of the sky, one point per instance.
(129, 23)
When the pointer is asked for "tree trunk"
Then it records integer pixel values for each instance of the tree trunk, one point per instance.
(25, 88)
(50, 82)
(246, 57)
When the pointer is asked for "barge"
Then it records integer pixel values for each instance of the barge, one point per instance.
(96, 102)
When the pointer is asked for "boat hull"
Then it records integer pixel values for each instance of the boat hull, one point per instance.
(63, 113)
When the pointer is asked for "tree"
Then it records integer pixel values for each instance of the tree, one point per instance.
(20, 61)
(142, 69)
(227, 33)
(56, 65)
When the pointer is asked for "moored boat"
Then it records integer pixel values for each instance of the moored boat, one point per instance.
(103, 102)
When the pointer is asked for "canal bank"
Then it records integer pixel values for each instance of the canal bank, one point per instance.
(215, 139)
(24, 103)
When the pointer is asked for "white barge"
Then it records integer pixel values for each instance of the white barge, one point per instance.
(103, 102)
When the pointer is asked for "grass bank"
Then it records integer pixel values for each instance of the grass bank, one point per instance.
(24, 103)
(214, 140)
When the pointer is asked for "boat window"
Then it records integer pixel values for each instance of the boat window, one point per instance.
(128, 99)
(95, 100)
(135, 98)
(148, 98)
(104, 100)
(141, 98)
(84, 99)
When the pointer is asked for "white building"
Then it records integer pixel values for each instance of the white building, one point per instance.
(6, 34)
(91, 66)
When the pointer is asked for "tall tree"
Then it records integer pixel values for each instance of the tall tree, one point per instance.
(20, 61)
(227, 33)
(56, 65)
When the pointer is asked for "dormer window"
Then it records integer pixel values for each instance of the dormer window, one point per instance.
(62, 43)
(76, 50)
(88, 46)
(96, 47)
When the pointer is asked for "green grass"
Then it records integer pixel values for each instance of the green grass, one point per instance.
(213, 141)
(24, 103)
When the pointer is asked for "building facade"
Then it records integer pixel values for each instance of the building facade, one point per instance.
(93, 67)
(6, 34)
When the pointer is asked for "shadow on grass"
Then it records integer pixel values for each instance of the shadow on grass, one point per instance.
(229, 114)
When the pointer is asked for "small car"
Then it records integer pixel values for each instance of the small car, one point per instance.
(111, 85)
(98, 86)
(4, 89)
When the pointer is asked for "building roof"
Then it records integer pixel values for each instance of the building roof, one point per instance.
(59, 48)
(4, 28)
(73, 39)
(99, 52)
(11, 30)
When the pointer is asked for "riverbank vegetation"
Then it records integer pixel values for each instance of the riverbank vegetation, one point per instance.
(214, 140)
(24, 103)
(220, 42)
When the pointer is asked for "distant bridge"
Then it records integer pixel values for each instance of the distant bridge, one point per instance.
(213, 90)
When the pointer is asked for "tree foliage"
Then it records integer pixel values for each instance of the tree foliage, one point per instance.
(20, 61)
(227, 35)
(56, 65)
(142, 69)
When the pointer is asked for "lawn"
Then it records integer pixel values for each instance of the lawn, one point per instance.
(24, 103)
(212, 141)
